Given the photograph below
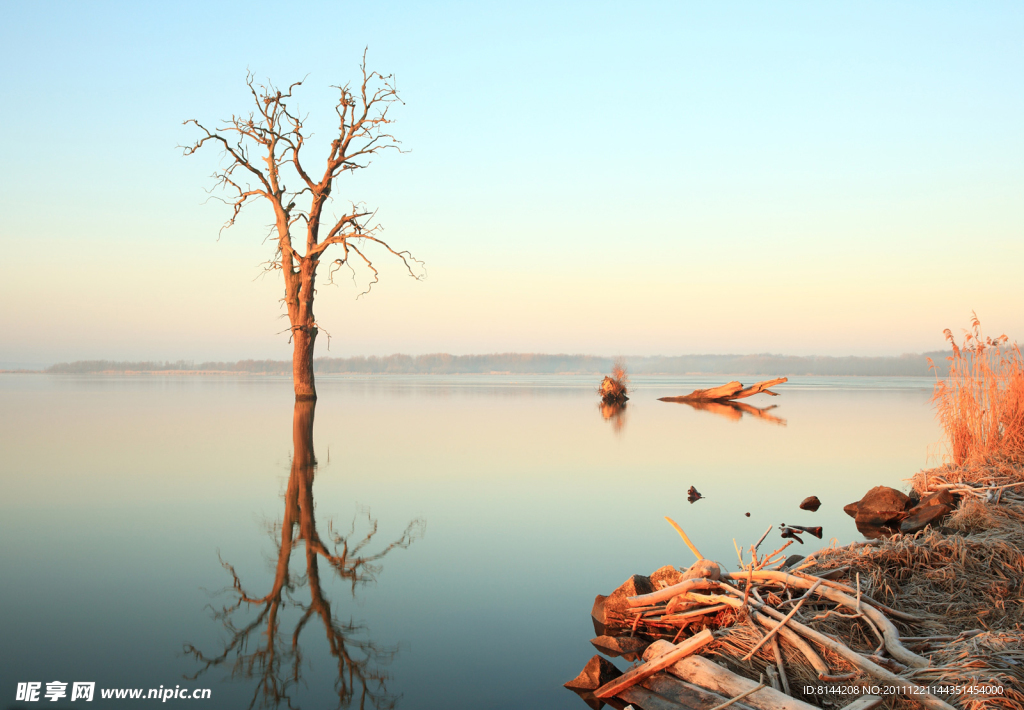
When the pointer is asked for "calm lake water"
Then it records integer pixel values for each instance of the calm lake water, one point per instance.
(121, 496)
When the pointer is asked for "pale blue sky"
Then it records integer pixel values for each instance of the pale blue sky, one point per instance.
(608, 178)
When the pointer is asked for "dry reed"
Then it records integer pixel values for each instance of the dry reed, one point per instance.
(980, 403)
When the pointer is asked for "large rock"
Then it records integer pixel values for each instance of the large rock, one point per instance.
(665, 577)
(851, 509)
(932, 509)
(616, 603)
(882, 505)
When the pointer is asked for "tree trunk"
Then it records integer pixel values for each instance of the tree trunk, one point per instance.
(304, 337)
(299, 298)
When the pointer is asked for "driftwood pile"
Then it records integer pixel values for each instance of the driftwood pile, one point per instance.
(813, 630)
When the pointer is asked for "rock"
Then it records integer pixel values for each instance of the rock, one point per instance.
(792, 561)
(875, 532)
(598, 616)
(596, 673)
(882, 505)
(812, 504)
(851, 509)
(929, 511)
(666, 576)
(747, 514)
(703, 568)
(616, 602)
(621, 646)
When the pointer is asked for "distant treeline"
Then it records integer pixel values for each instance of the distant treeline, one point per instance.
(531, 363)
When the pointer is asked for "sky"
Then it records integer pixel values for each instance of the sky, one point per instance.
(642, 178)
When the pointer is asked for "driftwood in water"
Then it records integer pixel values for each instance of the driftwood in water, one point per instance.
(728, 392)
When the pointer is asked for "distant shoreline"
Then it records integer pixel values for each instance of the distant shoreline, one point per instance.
(910, 365)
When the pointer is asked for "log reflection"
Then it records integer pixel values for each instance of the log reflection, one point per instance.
(735, 410)
(254, 648)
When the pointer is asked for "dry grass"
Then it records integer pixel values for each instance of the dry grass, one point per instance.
(968, 576)
(980, 403)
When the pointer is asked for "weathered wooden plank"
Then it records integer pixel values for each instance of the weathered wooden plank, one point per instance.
(668, 655)
(649, 700)
(690, 696)
(700, 671)
(865, 702)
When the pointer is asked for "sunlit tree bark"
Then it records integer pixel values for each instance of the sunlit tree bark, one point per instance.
(262, 149)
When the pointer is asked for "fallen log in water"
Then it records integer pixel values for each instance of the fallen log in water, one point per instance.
(728, 392)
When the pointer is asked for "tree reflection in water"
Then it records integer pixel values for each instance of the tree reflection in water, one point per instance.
(277, 663)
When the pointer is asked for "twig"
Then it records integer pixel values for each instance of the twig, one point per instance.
(758, 544)
(771, 634)
(689, 544)
(782, 668)
(738, 697)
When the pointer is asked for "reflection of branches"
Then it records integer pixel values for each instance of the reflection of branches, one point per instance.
(278, 666)
(736, 410)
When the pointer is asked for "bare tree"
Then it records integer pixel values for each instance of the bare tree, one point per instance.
(263, 148)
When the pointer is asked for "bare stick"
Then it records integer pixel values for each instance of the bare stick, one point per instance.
(758, 543)
(782, 669)
(771, 634)
(689, 544)
(738, 698)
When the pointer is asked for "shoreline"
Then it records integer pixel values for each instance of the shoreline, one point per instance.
(948, 599)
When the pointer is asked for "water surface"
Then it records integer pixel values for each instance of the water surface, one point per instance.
(514, 499)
